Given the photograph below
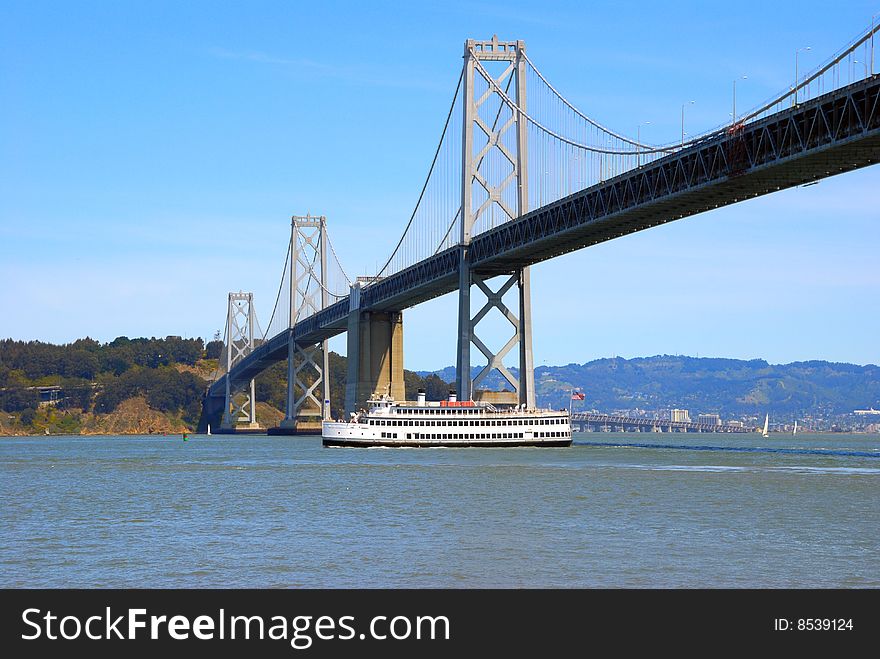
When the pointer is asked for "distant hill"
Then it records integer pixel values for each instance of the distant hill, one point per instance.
(729, 387)
(156, 385)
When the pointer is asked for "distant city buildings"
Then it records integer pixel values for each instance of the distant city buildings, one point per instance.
(822, 419)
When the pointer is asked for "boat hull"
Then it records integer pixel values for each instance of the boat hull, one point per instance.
(439, 443)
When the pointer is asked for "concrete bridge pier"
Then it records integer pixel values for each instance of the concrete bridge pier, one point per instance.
(375, 355)
(212, 413)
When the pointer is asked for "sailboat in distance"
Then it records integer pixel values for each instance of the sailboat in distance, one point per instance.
(794, 430)
(766, 426)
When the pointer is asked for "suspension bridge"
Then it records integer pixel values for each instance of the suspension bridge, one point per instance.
(519, 176)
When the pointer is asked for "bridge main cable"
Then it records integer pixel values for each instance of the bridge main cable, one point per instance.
(565, 140)
(427, 179)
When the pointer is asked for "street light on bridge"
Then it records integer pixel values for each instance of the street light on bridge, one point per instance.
(682, 119)
(872, 41)
(733, 114)
(796, 88)
(639, 142)
(852, 73)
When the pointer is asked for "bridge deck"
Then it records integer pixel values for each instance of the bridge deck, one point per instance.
(618, 421)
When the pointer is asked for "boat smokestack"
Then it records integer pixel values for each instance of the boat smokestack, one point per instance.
(421, 398)
(453, 397)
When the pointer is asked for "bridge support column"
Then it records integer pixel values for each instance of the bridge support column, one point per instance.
(239, 410)
(308, 385)
(465, 329)
(375, 356)
(491, 196)
(523, 383)
(308, 393)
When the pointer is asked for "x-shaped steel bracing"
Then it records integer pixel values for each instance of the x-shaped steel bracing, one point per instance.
(308, 291)
(307, 404)
(239, 406)
(239, 330)
(494, 300)
(308, 296)
(494, 193)
(239, 410)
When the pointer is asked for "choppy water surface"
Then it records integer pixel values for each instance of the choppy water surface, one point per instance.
(614, 510)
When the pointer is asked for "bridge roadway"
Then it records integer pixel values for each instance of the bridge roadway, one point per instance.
(831, 134)
(649, 425)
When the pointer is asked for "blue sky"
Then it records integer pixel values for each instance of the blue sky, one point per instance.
(151, 154)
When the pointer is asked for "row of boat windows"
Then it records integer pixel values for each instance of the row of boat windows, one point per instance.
(484, 435)
(468, 422)
(458, 411)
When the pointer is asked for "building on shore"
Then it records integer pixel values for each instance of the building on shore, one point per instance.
(709, 419)
(679, 415)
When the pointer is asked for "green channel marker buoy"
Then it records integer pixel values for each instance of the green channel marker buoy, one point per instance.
(185, 436)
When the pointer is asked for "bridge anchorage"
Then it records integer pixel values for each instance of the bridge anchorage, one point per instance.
(517, 180)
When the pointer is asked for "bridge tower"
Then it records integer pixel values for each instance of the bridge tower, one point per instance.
(239, 407)
(503, 141)
(308, 386)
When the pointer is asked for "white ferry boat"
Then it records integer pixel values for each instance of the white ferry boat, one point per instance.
(447, 423)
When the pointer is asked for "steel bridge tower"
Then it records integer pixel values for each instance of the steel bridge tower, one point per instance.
(239, 407)
(308, 385)
(511, 132)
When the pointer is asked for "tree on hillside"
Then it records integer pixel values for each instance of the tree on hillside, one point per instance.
(27, 416)
(19, 398)
(79, 364)
(435, 388)
(214, 349)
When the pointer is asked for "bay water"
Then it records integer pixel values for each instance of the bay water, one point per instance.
(613, 510)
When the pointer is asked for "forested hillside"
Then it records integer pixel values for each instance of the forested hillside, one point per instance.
(137, 385)
(729, 387)
(91, 378)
